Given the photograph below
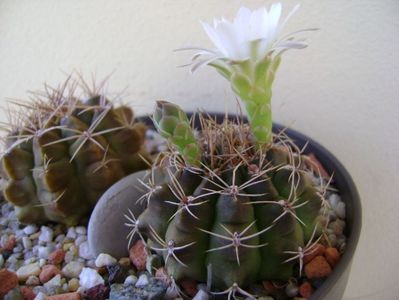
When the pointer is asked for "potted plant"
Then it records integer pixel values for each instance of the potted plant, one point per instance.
(239, 205)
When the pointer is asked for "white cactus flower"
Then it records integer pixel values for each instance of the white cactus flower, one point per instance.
(251, 36)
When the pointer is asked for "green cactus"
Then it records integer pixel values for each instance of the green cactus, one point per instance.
(62, 153)
(249, 213)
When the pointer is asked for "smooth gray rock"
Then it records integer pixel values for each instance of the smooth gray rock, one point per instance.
(155, 290)
(107, 231)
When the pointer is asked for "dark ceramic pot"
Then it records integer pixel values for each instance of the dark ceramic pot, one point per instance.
(334, 286)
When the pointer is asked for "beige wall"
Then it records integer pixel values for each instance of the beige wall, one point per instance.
(342, 90)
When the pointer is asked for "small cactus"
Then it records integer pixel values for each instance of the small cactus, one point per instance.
(61, 153)
(249, 213)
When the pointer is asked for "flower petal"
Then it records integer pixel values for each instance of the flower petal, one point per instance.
(214, 37)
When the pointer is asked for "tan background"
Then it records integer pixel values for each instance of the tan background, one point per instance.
(342, 90)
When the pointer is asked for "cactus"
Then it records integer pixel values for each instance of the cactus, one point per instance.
(61, 153)
(248, 213)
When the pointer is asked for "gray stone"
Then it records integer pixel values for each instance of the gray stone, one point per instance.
(154, 290)
(14, 294)
(201, 295)
(107, 219)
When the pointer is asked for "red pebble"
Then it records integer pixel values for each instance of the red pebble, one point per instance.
(56, 257)
(48, 272)
(10, 244)
(189, 287)
(138, 255)
(8, 281)
(269, 286)
(162, 275)
(27, 293)
(305, 290)
(68, 296)
(332, 256)
(317, 268)
(317, 250)
(316, 166)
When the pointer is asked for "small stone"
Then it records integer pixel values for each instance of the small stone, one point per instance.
(89, 278)
(334, 199)
(56, 257)
(73, 285)
(27, 293)
(291, 289)
(138, 255)
(60, 238)
(80, 239)
(317, 250)
(189, 287)
(124, 261)
(68, 296)
(72, 269)
(48, 272)
(40, 296)
(69, 256)
(10, 244)
(42, 262)
(305, 290)
(98, 292)
(202, 295)
(84, 251)
(332, 240)
(104, 260)
(32, 280)
(337, 227)
(53, 282)
(14, 294)
(155, 290)
(26, 242)
(81, 230)
(30, 229)
(44, 252)
(162, 275)
(332, 256)
(142, 281)
(71, 233)
(131, 279)
(317, 268)
(8, 281)
(25, 271)
(46, 234)
(340, 210)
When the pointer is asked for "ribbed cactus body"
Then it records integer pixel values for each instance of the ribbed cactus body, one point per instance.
(64, 156)
(241, 220)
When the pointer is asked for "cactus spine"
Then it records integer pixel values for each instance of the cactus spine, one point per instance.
(246, 212)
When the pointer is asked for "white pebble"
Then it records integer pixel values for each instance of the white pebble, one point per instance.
(42, 262)
(71, 233)
(105, 260)
(130, 280)
(26, 242)
(32, 280)
(46, 234)
(40, 296)
(142, 281)
(84, 250)
(80, 239)
(60, 238)
(30, 229)
(89, 278)
(334, 199)
(69, 256)
(340, 210)
(81, 230)
(72, 269)
(44, 252)
(25, 271)
(53, 282)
